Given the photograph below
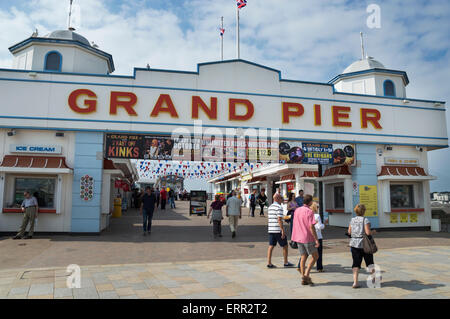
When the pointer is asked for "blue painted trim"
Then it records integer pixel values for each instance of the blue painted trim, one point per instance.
(374, 70)
(243, 61)
(60, 61)
(165, 133)
(393, 88)
(66, 41)
(221, 92)
(220, 126)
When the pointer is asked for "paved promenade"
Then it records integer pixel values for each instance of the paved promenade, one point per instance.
(422, 272)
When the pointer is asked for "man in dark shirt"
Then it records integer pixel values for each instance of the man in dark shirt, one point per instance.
(262, 199)
(148, 202)
(253, 203)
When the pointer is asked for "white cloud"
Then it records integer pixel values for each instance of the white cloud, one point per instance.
(306, 40)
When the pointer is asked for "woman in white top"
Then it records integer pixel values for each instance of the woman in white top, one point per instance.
(319, 226)
(358, 226)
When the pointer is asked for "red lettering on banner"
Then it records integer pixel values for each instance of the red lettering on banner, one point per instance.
(117, 99)
(210, 112)
(232, 116)
(91, 104)
(291, 109)
(338, 114)
(370, 115)
(169, 108)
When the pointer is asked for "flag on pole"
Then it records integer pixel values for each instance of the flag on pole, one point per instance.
(241, 3)
(222, 31)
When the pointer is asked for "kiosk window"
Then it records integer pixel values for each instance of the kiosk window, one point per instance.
(339, 196)
(402, 196)
(41, 188)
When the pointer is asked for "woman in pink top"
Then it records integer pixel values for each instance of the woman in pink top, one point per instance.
(304, 233)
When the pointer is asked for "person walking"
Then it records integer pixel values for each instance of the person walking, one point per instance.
(158, 196)
(262, 199)
(163, 196)
(172, 198)
(147, 208)
(291, 207)
(299, 198)
(234, 212)
(215, 211)
(319, 227)
(276, 231)
(358, 226)
(30, 208)
(304, 233)
(252, 200)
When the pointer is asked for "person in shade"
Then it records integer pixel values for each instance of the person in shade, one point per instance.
(215, 211)
(291, 207)
(147, 208)
(262, 199)
(299, 198)
(319, 227)
(163, 198)
(252, 200)
(304, 233)
(276, 231)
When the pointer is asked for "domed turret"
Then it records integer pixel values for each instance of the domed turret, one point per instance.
(61, 51)
(361, 65)
(370, 77)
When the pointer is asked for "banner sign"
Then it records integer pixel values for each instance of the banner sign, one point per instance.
(185, 148)
(316, 153)
(138, 147)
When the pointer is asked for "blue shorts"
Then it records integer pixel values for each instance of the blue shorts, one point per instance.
(276, 237)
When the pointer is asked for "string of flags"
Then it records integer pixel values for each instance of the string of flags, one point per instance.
(196, 170)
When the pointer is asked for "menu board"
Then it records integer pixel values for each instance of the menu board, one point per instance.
(293, 152)
(368, 197)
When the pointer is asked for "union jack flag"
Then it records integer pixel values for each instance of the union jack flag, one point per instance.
(241, 3)
(222, 31)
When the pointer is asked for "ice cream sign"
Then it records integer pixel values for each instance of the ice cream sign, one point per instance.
(40, 149)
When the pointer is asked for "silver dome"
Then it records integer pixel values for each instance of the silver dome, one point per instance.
(67, 35)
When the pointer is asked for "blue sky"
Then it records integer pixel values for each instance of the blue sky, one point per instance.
(305, 39)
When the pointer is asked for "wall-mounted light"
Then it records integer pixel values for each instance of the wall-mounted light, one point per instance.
(59, 134)
(32, 74)
(405, 101)
(11, 133)
(418, 148)
(437, 104)
(379, 151)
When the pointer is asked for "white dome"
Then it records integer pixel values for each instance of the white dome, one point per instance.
(362, 65)
(67, 35)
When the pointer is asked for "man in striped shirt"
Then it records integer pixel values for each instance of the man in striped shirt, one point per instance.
(276, 231)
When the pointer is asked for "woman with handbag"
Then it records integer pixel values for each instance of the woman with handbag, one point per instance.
(360, 232)
(215, 211)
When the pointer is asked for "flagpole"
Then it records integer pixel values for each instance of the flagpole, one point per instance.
(221, 44)
(238, 51)
(70, 14)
